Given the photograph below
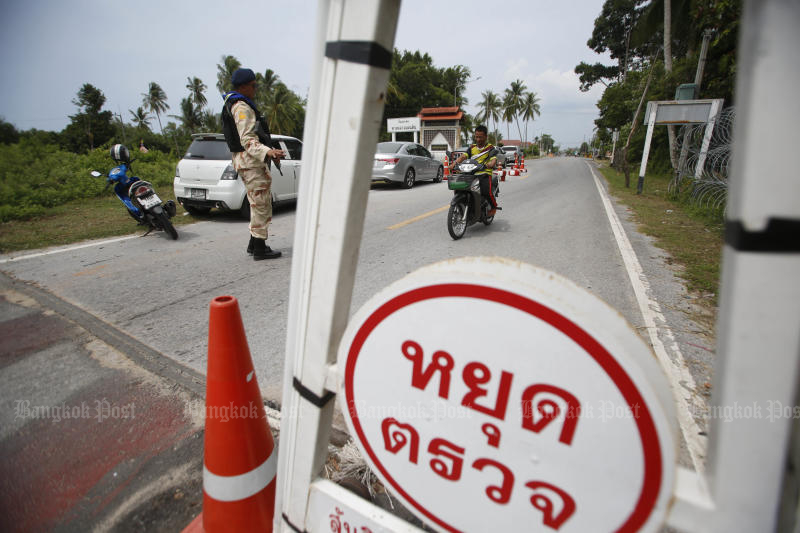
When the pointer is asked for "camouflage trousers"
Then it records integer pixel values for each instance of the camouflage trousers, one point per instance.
(259, 184)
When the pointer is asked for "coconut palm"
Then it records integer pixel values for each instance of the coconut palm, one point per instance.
(283, 109)
(265, 86)
(529, 110)
(508, 111)
(155, 100)
(196, 91)
(512, 102)
(141, 118)
(489, 108)
(211, 121)
(270, 79)
(225, 71)
(191, 116)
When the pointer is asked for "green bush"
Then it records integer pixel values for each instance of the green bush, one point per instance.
(36, 176)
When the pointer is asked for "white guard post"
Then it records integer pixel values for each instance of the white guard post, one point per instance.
(759, 324)
(353, 51)
(753, 440)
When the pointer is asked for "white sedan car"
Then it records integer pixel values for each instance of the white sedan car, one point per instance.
(205, 178)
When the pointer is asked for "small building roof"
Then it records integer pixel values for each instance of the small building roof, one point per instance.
(440, 113)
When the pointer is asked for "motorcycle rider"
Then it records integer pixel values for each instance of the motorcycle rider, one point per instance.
(483, 153)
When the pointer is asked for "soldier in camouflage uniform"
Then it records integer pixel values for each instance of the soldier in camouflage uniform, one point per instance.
(244, 129)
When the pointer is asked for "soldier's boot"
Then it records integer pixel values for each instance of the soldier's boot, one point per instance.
(262, 251)
(250, 245)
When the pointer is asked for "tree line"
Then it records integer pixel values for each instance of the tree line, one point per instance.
(415, 82)
(655, 46)
(91, 126)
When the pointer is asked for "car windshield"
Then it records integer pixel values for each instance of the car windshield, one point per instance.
(509, 149)
(208, 149)
(388, 148)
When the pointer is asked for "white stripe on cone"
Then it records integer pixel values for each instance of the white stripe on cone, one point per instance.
(235, 488)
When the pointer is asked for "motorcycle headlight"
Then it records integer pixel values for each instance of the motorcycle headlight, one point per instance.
(229, 173)
(476, 185)
(469, 167)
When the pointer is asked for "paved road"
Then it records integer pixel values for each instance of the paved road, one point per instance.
(157, 291)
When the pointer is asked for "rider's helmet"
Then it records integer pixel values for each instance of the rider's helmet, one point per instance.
(120, 154)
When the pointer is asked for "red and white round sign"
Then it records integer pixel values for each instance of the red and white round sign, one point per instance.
(490, 395)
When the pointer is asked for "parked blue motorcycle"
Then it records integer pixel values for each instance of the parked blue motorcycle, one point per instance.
(139, 197)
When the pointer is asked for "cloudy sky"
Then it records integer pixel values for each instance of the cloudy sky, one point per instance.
(50, 48)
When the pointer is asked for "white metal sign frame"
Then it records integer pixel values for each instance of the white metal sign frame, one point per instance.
(680, 112)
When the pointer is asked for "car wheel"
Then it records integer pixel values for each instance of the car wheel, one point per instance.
(408, 180)
(439, 174)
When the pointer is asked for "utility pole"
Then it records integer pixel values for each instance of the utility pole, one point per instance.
(698, 78)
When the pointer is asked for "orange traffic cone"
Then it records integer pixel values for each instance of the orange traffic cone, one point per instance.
(522, 163)
(446, 168)
(240, 461)
(516, 161)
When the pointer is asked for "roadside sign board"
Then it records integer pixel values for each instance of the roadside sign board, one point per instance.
(486, 393)
(397, 125)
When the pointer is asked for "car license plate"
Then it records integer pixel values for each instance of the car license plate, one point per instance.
(199, 194)
(149, 201)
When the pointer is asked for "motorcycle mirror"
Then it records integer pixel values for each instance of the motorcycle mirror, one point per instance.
(96, 174)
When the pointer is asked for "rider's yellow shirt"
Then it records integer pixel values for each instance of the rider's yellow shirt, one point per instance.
(481, 155)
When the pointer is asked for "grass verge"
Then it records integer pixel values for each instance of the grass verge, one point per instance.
(76, 221)
(692, 235)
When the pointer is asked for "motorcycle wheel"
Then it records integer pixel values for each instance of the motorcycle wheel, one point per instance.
(456, 225)
(166, 225)
(488, 220)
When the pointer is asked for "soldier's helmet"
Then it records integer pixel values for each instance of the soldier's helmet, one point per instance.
(120, 154)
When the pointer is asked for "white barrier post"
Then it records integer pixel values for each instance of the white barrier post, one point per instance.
(353, 51)
(756, 374)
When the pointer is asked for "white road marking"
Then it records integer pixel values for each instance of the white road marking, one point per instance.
(68, 249)
(681, 380)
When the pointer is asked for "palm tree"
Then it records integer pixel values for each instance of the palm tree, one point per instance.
(489, 108)
(270, 79)
(141, 118)
(211, 121)
(283, 109)
(513, 100)
(191, 116)
(265, 86)
(196, 89)
(529, 110)
(224, 73)
(508, 111)
(155, 100)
